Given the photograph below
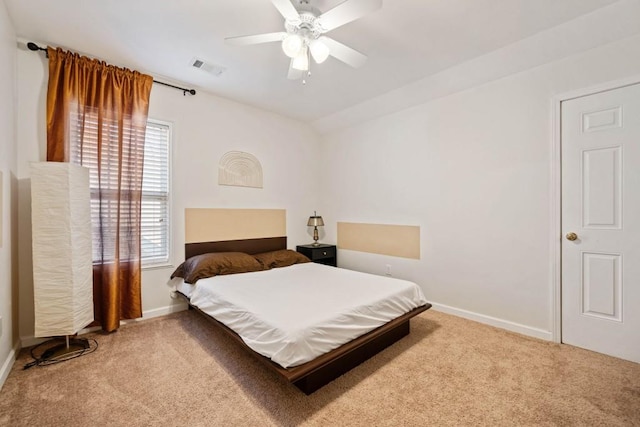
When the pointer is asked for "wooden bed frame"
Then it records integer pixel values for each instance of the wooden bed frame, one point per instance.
(312, 375)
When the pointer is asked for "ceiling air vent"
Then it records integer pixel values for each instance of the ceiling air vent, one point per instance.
(214, 69)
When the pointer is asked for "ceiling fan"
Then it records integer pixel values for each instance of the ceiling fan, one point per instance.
(304, 36)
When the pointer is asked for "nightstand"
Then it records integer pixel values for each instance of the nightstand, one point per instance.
(322, 254)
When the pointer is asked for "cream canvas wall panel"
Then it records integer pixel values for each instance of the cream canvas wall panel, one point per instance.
(385, 239)
(204, 225)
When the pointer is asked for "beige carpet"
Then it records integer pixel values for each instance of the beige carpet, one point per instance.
(178, 370)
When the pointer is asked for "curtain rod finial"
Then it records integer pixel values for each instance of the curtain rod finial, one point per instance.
(34, 47)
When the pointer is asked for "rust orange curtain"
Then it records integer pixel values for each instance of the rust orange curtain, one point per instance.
(97, 117)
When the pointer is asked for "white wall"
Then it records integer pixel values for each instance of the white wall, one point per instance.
(473, 170)
(204, 128)
(8, 214)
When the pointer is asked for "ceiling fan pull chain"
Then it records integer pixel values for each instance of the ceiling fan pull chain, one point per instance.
(304, 80)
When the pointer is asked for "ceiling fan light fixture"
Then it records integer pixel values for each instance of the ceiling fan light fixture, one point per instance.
(301, 62)
(292, 45)
(319, 51)
(304, 26)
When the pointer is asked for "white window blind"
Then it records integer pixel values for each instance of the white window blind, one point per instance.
(154, 239)
(155, 194)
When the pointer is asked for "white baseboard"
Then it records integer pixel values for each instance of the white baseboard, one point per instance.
(29, 341)
(493, 321)
(8, 364)
(162, 311)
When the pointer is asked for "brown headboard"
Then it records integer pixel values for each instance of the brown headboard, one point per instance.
(249, 246)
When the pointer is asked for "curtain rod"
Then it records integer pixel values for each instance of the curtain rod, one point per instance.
(34, 47)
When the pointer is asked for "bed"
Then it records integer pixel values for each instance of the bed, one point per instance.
(306, 370)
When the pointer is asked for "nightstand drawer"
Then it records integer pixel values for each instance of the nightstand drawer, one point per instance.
(323, 254)
(320, 253)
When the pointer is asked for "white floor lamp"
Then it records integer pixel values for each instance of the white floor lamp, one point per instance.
(62, 253)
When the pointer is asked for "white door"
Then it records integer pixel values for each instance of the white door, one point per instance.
(601, 206)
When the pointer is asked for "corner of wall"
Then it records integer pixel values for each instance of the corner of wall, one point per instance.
(9, 344)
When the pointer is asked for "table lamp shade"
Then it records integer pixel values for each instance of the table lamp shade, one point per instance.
(62, 252)
(315, 221)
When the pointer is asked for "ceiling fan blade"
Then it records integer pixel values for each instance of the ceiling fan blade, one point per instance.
(286, 9)
(344, 53)
(256, 39)
(293, 73)
(346, 12)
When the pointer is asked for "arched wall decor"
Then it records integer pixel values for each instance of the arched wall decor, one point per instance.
(240, 169)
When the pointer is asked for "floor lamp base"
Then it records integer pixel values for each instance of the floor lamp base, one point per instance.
(59, 350)
(64, 348)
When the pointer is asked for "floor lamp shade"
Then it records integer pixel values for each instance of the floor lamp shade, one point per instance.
(62, 252)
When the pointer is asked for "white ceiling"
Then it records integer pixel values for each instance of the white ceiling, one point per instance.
(405, 41)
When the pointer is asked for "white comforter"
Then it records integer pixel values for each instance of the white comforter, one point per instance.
(294, 314)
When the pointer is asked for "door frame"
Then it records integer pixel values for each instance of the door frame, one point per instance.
(556, 192)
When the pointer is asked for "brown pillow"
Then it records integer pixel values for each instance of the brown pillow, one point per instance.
(215, 264)
(281, 258)
(179, 271)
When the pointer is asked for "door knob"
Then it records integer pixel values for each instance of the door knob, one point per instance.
(571, 236)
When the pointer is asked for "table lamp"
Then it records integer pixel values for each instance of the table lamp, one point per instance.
(315, 221)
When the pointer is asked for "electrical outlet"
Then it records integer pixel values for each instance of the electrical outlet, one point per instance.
(388, 271)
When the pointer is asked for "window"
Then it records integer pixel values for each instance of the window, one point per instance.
(155, 194)
(154, 239)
